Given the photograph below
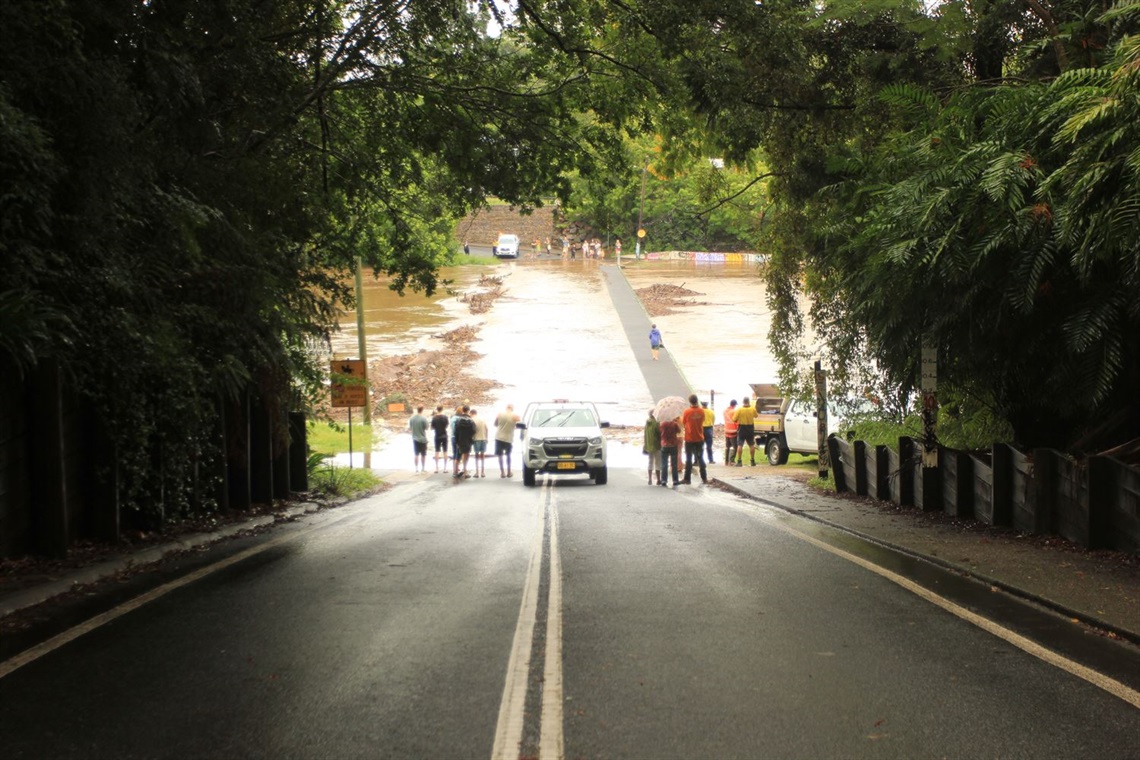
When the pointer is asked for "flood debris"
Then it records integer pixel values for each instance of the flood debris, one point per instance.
(663, 299)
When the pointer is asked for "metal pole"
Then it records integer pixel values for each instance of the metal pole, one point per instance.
(821, 418)
(350, 437)
(640, 208)
(362, 342)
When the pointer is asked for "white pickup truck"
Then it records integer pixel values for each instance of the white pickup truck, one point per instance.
(785, 426)
(563, 437)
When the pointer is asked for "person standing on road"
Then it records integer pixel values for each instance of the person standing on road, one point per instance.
(710, 423)
(670, 435)
(464, 437)
(655, 342)
(439, 425)
(504, 431)
(652, 447)
(451, 430)
(745, 432)
(693, 420)
(418, 424)
(479, 445)
(730, 429)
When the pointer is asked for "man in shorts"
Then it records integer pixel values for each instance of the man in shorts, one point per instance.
(464, 438)
(439, 428)
(504, 432)
(418, 424)
(479, 446)
(745, 418)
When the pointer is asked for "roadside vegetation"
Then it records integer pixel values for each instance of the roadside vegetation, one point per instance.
(188, 186)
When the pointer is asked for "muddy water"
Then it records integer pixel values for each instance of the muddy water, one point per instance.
(404, 324)
(555, 334)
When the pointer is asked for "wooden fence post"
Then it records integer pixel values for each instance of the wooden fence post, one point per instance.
(1003, 484)
(260, 454)
(1044, 491)
(298, 452)
(237, 454)
(100, 478)
(838, 471)
(860, 459)
(906, 472)
(882, 473)
(47, 457)
(964, 501)
(932, 486)
(1103, 488)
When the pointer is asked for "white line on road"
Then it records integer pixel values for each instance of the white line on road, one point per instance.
(550, 744)
(512, 707)
(1101, 681)
(31, 655)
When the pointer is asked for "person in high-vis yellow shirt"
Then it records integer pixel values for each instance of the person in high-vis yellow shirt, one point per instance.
(745, 419)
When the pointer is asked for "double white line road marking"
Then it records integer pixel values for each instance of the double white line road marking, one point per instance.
(512, 708)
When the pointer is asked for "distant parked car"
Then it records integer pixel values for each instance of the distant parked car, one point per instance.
(507, 247)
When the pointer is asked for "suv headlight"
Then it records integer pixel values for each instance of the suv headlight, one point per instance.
(534, 441)
(595, 441)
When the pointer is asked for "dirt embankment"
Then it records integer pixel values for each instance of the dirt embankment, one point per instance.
(664, 299)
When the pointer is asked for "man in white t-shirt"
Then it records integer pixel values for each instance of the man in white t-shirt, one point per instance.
(504, 432)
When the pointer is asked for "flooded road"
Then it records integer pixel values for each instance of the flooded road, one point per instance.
(554, 333)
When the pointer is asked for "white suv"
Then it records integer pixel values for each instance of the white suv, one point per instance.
(507, 247)
(563, 438)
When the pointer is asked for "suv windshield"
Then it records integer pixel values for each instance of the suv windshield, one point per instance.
(563, 418)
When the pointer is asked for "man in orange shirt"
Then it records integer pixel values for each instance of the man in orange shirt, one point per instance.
(730, 433)
(693, 421)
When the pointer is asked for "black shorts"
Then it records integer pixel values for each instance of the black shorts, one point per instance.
(502, 447)
(441, 443)
(746, 434)
(419, 447)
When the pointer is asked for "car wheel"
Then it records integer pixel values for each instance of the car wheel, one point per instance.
(528, 476)
(776, 451)
(601, 476)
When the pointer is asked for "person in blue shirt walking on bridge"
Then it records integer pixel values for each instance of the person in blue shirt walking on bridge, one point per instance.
(655, 342)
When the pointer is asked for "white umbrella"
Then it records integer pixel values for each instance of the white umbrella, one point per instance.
(670, 408)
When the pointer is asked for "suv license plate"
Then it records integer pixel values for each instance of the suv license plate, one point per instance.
(566, 466)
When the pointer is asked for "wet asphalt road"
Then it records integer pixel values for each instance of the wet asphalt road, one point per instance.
(693, 625)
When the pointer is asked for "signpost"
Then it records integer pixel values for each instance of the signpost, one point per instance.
(349, 388)
(931, 474)
(821, 418)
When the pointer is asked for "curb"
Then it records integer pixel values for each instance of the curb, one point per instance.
(30, 597)
(1085, 618)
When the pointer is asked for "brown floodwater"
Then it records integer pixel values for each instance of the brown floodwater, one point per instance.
(555, 334)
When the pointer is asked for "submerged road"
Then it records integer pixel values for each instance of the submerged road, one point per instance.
(485, 619)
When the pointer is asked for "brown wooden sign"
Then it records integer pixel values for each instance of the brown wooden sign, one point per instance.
(349, 382)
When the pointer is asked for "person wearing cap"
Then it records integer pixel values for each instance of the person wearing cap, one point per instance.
(710, 423)
(730, 429)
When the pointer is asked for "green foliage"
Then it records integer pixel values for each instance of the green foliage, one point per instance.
(187, 184)
(333, 437)
(333, 480)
